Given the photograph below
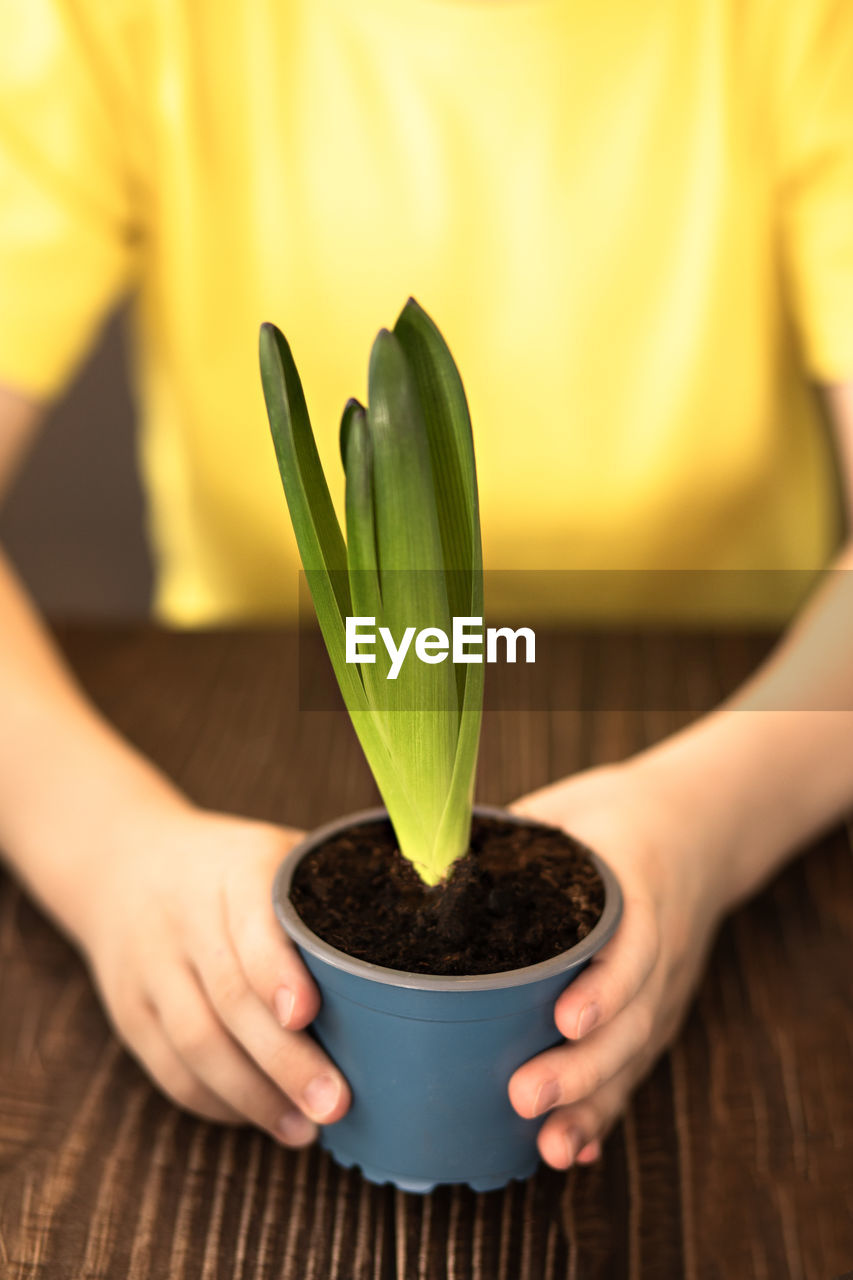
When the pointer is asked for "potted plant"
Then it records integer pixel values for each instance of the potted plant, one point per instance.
(439, 934)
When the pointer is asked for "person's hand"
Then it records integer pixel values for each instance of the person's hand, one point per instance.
(626, 1007)
(198, 978)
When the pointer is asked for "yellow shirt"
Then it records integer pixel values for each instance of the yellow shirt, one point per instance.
(632, 221)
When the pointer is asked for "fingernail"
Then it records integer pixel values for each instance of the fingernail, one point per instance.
(547, 1094)
(590, 1153)
(321, 1095)
(295, 1127)
(574, 1142)
(284, 1000)
(590, 1014)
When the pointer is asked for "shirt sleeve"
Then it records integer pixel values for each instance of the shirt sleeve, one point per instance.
(816, 176)
(66, 226)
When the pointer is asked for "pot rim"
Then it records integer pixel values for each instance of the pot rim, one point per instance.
(299, 932)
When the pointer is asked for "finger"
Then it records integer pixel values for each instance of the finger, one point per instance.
(583, 803)
(209, 1053)
(293, 1060)
(571, 1072)
(613, 976)
(570, 1131)
(589, 1154)
(166, 1070)
(269, 959)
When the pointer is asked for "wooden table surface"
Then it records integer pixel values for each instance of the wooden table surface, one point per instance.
(735, 1159)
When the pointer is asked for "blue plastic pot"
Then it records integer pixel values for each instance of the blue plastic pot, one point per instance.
(428, 1058)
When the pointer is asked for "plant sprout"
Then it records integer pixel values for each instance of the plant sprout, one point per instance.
(412, 558)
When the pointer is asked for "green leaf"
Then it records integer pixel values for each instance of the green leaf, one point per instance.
(357, 455)
(315, 524)
(321, 547)
(451, 443)
(413, 560)
(419, 709)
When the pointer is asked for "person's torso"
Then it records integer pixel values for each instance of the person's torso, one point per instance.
(581, 196)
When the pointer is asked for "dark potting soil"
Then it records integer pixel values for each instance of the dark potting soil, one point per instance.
(522, 894)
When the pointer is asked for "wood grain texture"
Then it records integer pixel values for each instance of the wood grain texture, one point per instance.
(735, 1158)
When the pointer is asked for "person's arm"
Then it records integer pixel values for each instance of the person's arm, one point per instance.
(693, 826)
(170, 905)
